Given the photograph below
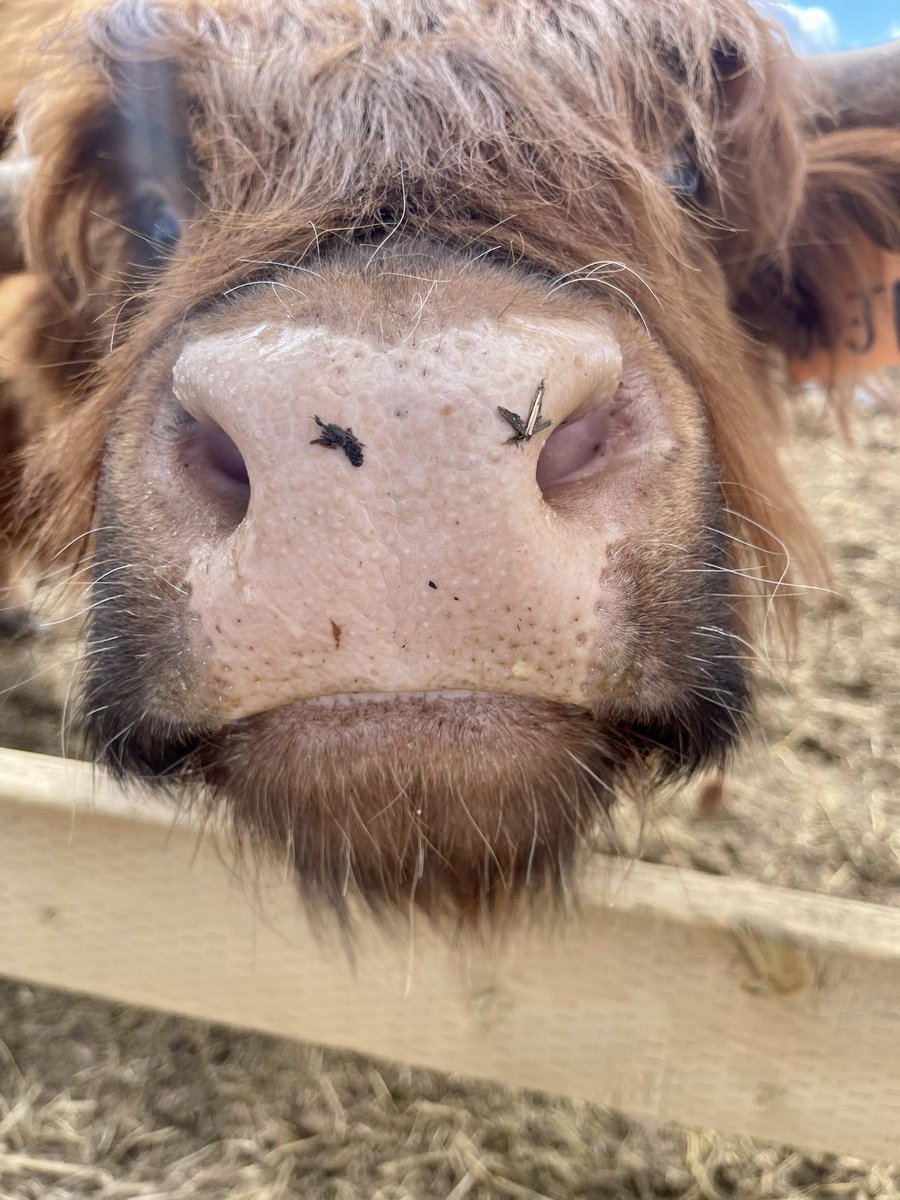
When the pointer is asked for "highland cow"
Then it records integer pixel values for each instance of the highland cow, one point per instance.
(409, 375)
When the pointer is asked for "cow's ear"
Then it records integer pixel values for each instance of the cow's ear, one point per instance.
(150, 162)
(114, 182)
(825, 299)
(106, 125)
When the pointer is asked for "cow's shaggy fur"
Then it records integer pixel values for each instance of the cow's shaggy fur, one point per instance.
(539, 129)
(541, 133)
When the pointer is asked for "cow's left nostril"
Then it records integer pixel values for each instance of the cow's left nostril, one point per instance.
(216, 467)
(574, 450)
(222, 454)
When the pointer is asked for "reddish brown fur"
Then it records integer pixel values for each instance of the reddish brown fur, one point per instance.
(556, 190)
(538, 129)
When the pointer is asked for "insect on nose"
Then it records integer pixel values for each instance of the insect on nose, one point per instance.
(524, 428)
(336, 437)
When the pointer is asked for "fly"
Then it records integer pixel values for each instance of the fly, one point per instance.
(335, 437)
(526, 427)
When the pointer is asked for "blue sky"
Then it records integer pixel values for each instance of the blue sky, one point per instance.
(839, 24)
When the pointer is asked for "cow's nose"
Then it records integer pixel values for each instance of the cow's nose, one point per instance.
(373, 522)
(208, 383)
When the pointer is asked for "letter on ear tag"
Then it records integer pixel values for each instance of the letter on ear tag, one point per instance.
(868, 321)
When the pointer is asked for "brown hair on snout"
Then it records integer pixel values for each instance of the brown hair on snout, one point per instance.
(652, 179)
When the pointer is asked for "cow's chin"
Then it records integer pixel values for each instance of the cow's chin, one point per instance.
(451, 802)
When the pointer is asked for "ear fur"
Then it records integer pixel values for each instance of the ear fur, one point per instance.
(101, 151)
(107, 127)
(851, 203)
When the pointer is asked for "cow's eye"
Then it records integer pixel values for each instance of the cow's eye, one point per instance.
(154, 220)
(727, 60)
(681, 173)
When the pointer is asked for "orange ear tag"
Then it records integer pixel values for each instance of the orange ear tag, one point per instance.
(868, 320)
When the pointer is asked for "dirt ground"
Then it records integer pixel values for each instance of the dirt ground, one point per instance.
(101, 1101)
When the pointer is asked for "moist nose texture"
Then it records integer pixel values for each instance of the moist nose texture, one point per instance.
(392, 534)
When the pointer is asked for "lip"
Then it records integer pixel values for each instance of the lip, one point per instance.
(418, 699)
(455, 801)
(415, 718)
(450, 732)
(359, 723)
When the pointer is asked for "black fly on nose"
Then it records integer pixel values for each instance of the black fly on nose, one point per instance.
(335, 437)
(526, 427)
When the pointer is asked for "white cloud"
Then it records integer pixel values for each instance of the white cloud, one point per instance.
(894, 31)
(812, 29)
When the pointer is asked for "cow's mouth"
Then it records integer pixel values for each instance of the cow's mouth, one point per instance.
(446, 800)
(452, 801)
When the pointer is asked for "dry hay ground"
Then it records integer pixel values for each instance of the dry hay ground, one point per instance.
(101, 1101)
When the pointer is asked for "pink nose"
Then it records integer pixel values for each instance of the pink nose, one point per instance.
(374, 524)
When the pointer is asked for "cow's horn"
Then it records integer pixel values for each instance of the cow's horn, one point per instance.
(862, 86)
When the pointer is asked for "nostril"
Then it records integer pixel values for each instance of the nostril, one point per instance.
(575, 449)
(222, 454)
(216, 467)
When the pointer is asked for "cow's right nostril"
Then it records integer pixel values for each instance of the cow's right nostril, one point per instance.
(575, 450)
(216, 467)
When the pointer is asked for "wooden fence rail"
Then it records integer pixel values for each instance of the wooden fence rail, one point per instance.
(670, 995)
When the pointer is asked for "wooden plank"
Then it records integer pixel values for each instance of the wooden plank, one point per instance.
(671, 995)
